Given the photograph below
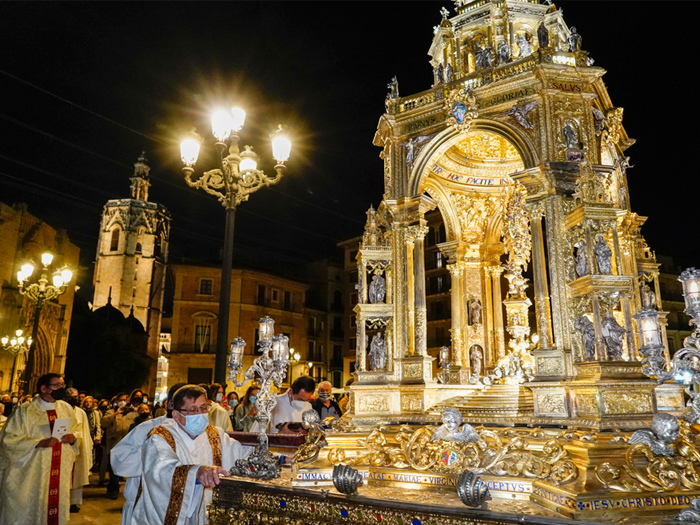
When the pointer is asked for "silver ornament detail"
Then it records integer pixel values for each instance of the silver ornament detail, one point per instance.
(472, 490)
(346, 479)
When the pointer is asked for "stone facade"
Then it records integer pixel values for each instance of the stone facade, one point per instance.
(254, 294)
(24, 237)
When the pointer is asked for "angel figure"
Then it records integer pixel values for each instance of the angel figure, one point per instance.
(450, 431)
(520, 114)
(660, 439)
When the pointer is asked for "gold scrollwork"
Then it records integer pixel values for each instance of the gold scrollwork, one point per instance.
(491, 454)
(644, 471)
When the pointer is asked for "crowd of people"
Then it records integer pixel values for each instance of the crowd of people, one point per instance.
(50, 442)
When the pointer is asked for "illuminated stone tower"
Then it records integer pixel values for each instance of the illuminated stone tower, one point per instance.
(520, 148)
(132, 254)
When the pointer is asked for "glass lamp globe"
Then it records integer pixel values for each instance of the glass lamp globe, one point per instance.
(221, 124)
(189, 151)
(248, 160)
(46, 258)
(237, 118)
(266, 328)
(690, 279)
(66, 275)
(281, 147)
(27, 270)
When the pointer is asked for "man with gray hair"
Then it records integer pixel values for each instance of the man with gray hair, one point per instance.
(182, 461)
(325, 405)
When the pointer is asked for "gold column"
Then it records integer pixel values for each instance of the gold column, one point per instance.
(421, 314)
(410, 295)
(456, 316)
(361, 350)
(542, 306)
(498, 327)
(490, 335)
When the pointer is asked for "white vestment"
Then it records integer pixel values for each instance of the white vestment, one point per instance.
(126, 462)
(283, 412)
(83, 463)
(219, 417)
(170, 460)
(26, 470)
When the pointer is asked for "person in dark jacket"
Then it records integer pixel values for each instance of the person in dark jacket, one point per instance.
(324, 404)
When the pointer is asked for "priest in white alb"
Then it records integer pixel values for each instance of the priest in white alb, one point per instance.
(182, 460)
(125, 457)
(38, 446)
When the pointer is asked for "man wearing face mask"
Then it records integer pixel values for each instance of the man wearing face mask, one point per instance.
(291, 405)
(117, 423)
(126, 455)
(218, 416)
(81, 470)
(325, 405)
(38, 465)
(182, 461)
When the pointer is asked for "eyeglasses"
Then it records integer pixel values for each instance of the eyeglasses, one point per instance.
(195, 410)
(57, 385)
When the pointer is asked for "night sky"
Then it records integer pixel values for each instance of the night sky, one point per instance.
(87, 86)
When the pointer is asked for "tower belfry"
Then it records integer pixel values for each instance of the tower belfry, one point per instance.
(132, 253)
(140, 179)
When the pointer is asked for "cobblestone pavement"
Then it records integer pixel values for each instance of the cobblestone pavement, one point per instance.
(97, 508)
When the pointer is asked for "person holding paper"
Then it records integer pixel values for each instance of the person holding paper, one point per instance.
(182, 460)
(38, 446)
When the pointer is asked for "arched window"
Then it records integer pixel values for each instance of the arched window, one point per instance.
(138, 249)
(114, 244)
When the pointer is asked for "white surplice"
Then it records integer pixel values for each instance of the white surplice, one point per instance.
(24, 489)
(284, 412)
(219, 417)
(83, 463)
(126, 462)
(170, 460)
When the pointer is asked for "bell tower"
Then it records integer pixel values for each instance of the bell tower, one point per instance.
(132, 253)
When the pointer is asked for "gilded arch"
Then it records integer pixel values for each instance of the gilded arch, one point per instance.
(449, 137)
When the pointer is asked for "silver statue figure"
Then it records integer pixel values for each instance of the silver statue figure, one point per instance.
(524, 47)
(660, 439)
(503, 52)
(581, 261)
(613, 336)
(603, 256)
(574, 41)
(377, 289)
(476, 358)
(450, 431)
(543, 35)
(585, 326)
(483, 56)
(474, 311)
(377, 352)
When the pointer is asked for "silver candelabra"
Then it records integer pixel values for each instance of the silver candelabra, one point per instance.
(268, 369)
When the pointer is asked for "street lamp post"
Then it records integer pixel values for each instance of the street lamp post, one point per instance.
(232, 183)
(40, 289)
(16, 345)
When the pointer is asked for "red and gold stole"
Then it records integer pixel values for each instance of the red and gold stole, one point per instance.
(54, 475)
